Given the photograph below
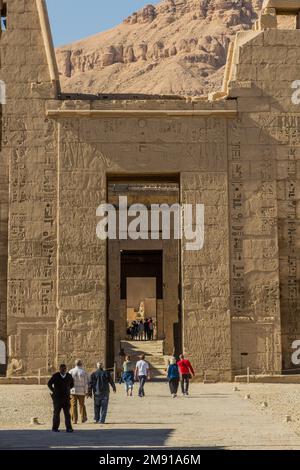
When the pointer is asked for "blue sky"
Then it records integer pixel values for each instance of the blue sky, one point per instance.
(75, 19)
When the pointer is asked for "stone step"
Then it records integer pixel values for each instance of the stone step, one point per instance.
(142, 348)
(138, 354)
(154, 355)
(147, 343)
(137, 348)
(157, 360)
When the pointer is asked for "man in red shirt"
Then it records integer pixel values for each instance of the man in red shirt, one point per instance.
(186, 372)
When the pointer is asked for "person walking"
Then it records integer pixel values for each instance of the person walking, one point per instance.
(186, 372)
(141, 330)
(142, 373)
(79, 392)
(173, 377)
(128, 375)
(99, 387)
(60, 386)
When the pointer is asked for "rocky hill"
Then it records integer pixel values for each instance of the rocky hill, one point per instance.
(173, 47)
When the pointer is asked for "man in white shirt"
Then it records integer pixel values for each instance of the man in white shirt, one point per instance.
(79, 391)
(142, 372)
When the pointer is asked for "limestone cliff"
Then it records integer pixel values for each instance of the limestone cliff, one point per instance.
(176, 46)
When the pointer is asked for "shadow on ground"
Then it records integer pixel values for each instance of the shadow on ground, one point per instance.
(88, 439)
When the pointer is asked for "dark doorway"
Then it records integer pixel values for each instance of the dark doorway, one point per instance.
(146, 264)
(144, 274)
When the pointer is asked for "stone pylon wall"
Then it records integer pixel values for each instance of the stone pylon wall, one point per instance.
(238, 156)
(29, 151)
(264, 171)
(4, 158)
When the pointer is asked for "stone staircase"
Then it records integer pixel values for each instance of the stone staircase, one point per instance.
(154, 352)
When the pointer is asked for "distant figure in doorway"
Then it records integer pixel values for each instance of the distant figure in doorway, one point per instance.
(99, 384)
(186, 372)
(146, 329)
(134, 330)
(142, 373)
(151, 329)
(128, 375)
(79, 392)
(173, 377)
(128, 332)
(131, 331)
(141, 329)
(60, 386)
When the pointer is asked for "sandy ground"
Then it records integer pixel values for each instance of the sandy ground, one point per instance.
(214, 416)
(282, 400)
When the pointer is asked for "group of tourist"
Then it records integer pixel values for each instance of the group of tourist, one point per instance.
(69, 389)
(142, 330)
(176, 372)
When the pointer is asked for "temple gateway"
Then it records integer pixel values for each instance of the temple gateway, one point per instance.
(64, 293)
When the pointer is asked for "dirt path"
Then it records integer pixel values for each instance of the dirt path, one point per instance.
(214, 416)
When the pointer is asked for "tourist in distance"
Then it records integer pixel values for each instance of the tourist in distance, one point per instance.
(60, 386)
(142, 373)
(146, 328)
(79, 392)
(186, 373)
(128, 375)
(141, 330)
(135, 329)
(151, 329)
(99, 387)
(173, 377)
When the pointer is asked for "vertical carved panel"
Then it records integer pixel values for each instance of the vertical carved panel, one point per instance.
(29, 141)
(288, 131)
(206, 278)
(81, 323)
(254, 246)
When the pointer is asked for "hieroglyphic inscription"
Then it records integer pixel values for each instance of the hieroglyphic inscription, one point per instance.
(237, 227)
(267, 210)
(49, 234)
(291, 232)
(289, 130)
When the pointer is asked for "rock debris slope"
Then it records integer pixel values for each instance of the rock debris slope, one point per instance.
(173, 47)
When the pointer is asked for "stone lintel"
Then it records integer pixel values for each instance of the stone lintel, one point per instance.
(282, 5)
(117, 113)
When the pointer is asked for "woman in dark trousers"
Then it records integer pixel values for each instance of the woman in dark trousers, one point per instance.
(173, 377)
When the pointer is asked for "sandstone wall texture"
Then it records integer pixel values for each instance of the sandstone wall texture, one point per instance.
(3, 229)
(238, 155)
(29, 150)
(264, 163)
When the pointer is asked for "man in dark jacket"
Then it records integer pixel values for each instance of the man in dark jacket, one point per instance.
(60, 386)
(100, 382)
